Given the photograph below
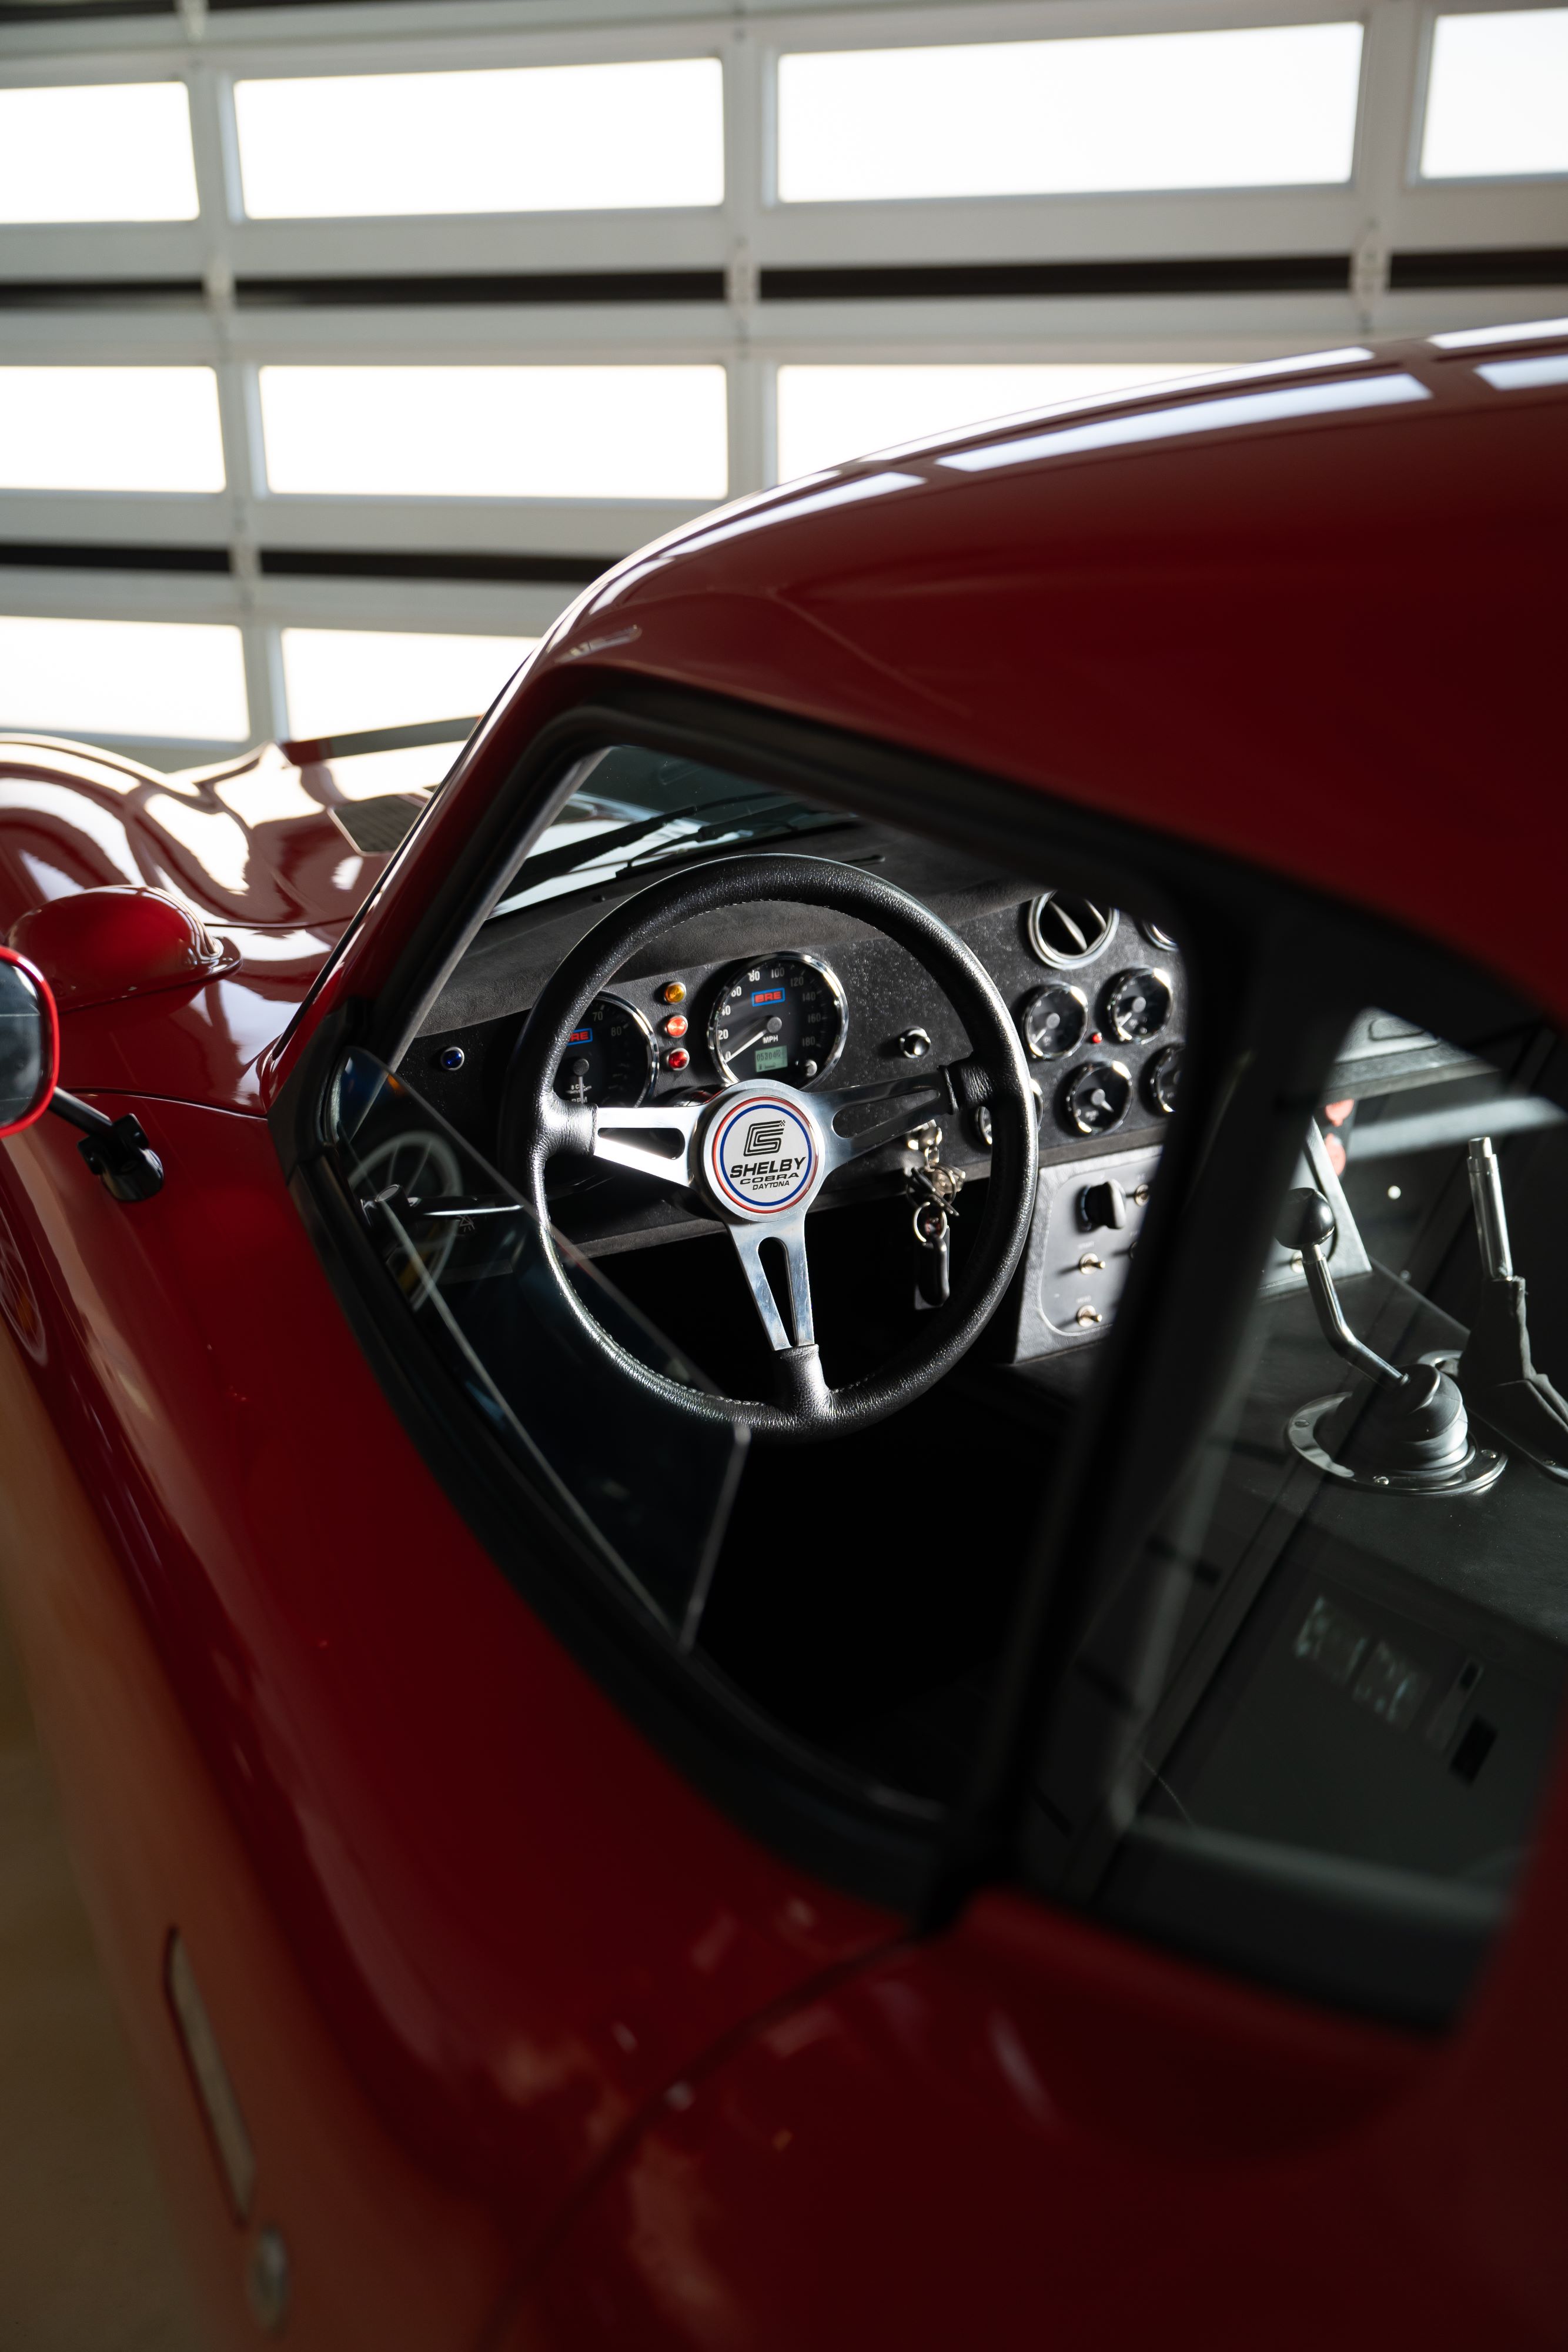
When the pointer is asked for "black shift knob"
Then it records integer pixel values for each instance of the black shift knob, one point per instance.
(1305, 1217)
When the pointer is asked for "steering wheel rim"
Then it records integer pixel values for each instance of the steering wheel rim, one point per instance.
(536, 1125)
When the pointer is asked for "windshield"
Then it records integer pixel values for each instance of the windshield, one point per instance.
(631, 808)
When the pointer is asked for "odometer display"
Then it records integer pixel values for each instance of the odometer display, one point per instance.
(783, 1017)
(610, 1058)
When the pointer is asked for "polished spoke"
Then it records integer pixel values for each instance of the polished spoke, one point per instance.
(909, 1103)
(656, 1140)
(749, 1241)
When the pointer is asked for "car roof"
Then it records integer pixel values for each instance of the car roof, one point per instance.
(1309, 614)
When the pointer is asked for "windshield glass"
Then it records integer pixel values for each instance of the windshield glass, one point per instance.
(632, 808)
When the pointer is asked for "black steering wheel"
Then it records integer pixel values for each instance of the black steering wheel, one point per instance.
(756, 1155)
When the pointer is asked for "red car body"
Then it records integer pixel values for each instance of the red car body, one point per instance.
(534, 2045)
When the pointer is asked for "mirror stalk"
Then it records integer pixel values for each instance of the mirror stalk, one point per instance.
(116, 1149)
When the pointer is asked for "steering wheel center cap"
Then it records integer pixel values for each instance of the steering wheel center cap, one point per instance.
(761, 1155)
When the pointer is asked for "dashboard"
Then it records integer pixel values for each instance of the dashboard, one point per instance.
(818, 999)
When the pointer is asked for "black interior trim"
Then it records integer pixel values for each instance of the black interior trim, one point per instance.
(1356, 1934)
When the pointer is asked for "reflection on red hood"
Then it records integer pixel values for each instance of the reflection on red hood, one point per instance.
(251, 852)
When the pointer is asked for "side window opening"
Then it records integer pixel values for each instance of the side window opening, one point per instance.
(856, 1594)
(1350, 1705)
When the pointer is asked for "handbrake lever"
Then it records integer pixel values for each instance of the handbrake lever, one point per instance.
(1496, 1372)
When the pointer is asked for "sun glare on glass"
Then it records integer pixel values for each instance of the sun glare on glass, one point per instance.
(110, 152)
(1267, 107)
(495, 432)
(830, 413)
(110, 428)
(1496, 98)
(340, 680)
(180, 681)
(588, 138)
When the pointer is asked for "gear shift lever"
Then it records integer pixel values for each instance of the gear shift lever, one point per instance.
(1408, 1426)
(1307, 1224)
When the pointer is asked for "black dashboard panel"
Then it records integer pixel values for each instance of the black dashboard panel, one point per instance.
(1133, 982)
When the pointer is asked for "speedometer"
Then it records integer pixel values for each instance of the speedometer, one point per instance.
(783, 1017)
(609, 1057)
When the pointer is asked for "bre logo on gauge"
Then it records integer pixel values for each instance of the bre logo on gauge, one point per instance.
(762, 1158)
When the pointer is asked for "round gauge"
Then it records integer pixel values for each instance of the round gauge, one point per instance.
(1157, 935)
(1095, 1096)
(783, 1017)
(1162, 1074)
(1137, 1006)
(1053, 1020)
(1066, 929)
(610, 1058)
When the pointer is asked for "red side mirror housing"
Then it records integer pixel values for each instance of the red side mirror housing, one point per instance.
(30, 1043)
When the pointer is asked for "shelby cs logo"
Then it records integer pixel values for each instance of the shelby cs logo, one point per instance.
(762, 1158)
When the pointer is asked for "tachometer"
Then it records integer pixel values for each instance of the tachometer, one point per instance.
(783, 1017)
(609, 1057)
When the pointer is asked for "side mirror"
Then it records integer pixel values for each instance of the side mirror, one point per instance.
(30, 1043)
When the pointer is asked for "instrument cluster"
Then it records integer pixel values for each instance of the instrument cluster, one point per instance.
(1093, 1026)
(1103, 1030)
(783, 1016)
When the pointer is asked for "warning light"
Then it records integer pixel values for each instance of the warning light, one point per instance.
(678, 1060)
(676, 1025)
(674, 991)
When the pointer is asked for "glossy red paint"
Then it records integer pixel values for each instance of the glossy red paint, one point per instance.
(1208, 633)
(452, 1825)
(101, 946)
(248, 855)
(616, 2051)
(1024, 2133)
(1124, 2149)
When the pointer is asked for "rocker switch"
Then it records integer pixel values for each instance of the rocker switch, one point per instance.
(1104, 1205)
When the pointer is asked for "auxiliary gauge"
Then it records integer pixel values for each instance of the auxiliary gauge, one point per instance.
(1137, 1006)
(783, 1017)
(1096, 1097)
(610, 1058)
(1053, 1020)
(1162, 1073)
